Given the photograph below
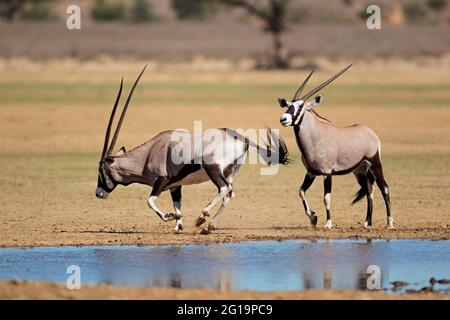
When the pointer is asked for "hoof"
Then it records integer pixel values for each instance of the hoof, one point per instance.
(390, 224)
(172, 216)
(367, 224)
(328, 225)
(205, 231)
(200, 221)
(313, 218)
(178, 227)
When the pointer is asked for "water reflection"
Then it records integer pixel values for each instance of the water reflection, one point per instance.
(263, 266)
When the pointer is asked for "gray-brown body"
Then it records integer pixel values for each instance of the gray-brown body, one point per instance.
(328, 150)
(175, 158)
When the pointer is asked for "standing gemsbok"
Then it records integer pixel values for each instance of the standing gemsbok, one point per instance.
(177, 157)
(329, 150)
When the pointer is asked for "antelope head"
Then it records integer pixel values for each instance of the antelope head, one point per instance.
(106, 175)
(296, 108)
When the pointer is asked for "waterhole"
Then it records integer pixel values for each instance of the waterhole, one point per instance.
(260, 265)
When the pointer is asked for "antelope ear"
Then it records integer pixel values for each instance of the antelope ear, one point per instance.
(282, 102)
(121, 151)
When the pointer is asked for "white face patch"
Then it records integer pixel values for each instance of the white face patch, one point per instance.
(286, 119)
(297, 104)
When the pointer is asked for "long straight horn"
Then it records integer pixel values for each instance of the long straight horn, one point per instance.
(299, 91)
(111, 119)
(317, 89)
(122, 116)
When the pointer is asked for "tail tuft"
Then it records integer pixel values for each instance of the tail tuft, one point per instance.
(280, 147)
(363, 180)
(358, 196)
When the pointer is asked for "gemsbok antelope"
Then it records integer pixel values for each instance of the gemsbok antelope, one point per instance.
(328, 150)
(175, 158)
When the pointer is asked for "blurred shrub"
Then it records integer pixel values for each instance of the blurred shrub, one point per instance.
(103, 11)
(299, 15)
(142, 11)
(437, 5)
(415, 11)
(27, 10)
(363, 15)
(348, 2)
(199, 10)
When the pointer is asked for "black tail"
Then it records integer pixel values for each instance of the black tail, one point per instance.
(363, 181)
(280, 148)
(273, 145)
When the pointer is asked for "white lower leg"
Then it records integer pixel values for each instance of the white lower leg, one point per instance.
(390, 223)
(226, 201)
(308, 211)
(179, 225)
(152, 204)
(390, 219)
(327, 202)
(179, 221)
(366, 223)
(223, 191)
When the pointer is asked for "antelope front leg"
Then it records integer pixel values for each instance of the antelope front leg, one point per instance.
(158, 186)
(327, 200)
(175, 193)
(225, 202)
(215, 173)
(223, 191)
(307, 182)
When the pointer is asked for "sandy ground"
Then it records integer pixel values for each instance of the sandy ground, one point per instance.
(38, 290)
(53, 117)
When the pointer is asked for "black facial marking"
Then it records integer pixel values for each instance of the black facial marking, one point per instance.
(293, 113)
(105, 181)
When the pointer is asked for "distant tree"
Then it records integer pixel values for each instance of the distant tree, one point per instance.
(10, 8)
(38, 10)
(415, 11)
(141, 11)
(103, 11)
(274, 15)
(348, 2)
(437, 5)
(195, 9)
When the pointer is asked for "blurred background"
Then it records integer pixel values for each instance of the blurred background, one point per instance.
(254, 33)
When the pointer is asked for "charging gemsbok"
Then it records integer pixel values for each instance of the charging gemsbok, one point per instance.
(329, 150)
(177, 157)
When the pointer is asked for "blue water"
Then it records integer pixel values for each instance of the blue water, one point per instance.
(262, 266)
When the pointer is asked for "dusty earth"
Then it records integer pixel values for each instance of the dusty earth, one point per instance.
(54, 114)
(40, 290)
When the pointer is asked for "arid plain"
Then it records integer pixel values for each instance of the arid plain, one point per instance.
(53, 115)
